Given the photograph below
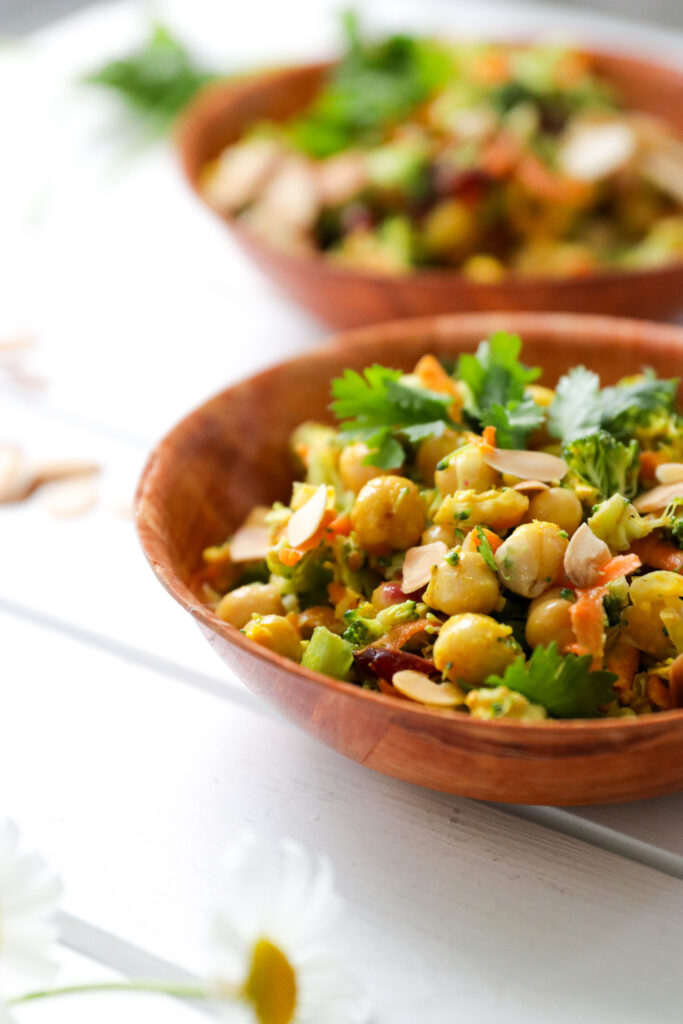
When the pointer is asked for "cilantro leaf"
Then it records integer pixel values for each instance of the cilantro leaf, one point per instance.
(562, 683)
(485, 550)
(514, 422)
(379, 409)
(581, 406)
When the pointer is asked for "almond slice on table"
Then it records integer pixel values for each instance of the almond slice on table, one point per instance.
(659, 497)
(250, 543)
(307, 519)
(530, 486)
(585, 556)
(537, 466)
(669, 472)
(418, 564)
(419, 687)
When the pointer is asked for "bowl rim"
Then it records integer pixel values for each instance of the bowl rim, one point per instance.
(219, 92)
(601, 327)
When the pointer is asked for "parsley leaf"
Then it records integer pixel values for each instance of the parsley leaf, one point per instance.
(562, 683)
(514, 422)
(496, 381)
(581, 406)
(379, 409)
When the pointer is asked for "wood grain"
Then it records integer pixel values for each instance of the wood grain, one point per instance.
(345, 297)
(232, 453)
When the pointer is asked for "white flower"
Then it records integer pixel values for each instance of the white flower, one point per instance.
(278, 907)
(28, 900)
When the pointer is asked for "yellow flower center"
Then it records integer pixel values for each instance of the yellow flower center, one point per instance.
(271, 985)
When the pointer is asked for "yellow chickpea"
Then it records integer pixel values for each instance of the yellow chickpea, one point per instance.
(446, 534)
(354, 472)
(239, 605)
(548, 619)
(467, 586)
(276, 633)
(472, 647)
(541, 395)
(499, 510)
(556, 505)
(388, 514)
(432, 450)
(531, 558)
(466, 470)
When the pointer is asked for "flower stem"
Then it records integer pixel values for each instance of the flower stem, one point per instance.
(168, 988)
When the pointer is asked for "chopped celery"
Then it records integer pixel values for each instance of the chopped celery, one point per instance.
(328, 653)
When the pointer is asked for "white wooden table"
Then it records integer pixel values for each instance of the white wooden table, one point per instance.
(128, 753)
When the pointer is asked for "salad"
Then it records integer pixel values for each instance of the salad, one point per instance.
(489, 158)
(470, 539)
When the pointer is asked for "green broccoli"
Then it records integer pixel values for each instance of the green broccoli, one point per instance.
(363, 627)
(618, 523)
(674, 520)
(604, 465)
(306, 581)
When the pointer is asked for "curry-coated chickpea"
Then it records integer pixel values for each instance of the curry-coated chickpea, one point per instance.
(354, 472)
(472, 647)
(549, 619)
(556, 505)
(276, 633)
(466, 471)
(531, 558)
(238, 606)
(389, 513)
(469, 585)
(432, 450)
(445, 533)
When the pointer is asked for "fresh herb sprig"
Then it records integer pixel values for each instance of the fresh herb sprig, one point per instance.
(378, 408)
(563, 683)
(157, 80)
(497, 383)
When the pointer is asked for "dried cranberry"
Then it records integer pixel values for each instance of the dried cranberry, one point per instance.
(383, 663)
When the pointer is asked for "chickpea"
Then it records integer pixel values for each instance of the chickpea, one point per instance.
(238, 606)
(548, 619)
(353, 471)
(276, 633)
(388, 514)
(531, 558)
(466, 470)
(468, 586)
(472, 647)
(556, 505)
(432, 450)
(499, 510)
(446, 534)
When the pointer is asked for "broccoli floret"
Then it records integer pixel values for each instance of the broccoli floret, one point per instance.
(604, 464)
(618, 523)
(316, 447)
(307, 581)
(660, 431)
(674, 520)
(363, 627)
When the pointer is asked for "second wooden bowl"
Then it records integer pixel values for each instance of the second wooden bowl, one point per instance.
(232, 453)
(347, 297)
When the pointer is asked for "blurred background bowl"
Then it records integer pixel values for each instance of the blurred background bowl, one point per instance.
(345, 297)
(232, 453)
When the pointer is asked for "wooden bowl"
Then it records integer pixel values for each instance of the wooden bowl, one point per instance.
(231, 454)
(346, 297)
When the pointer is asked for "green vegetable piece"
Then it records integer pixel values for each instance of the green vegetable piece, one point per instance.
(514, 422)
(618, 523)
(563, 684)
(603, 463)
(328, 653)
(485, 550)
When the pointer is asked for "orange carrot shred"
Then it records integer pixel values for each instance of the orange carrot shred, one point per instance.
(341, 525)
(290, 556)
(620, 565)
(623, 661)
(494, 540)
(489, 436)
(658, 553)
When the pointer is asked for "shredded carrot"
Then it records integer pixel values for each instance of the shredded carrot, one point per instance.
(494, 540)
(623, 661)
(500, 156)
(335, 592)
(290, 556)
(586, 612)
(541, 181)
(491, 68)
(648, 464)
(432, 376)
(488, 437)
(399, 636)
(658, 553)
(620, 565)
(341, 525)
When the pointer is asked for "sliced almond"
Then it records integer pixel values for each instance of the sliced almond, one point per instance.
(669, 472)
(530, 486)
(418, 564)
(307, 519)
(594, 151)
(341, 177)
(585, 556)
(662, 167)
(250, 543)
(659, 497)
(240, 173)
(419, 687)
(72, 497)
(536, 466)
